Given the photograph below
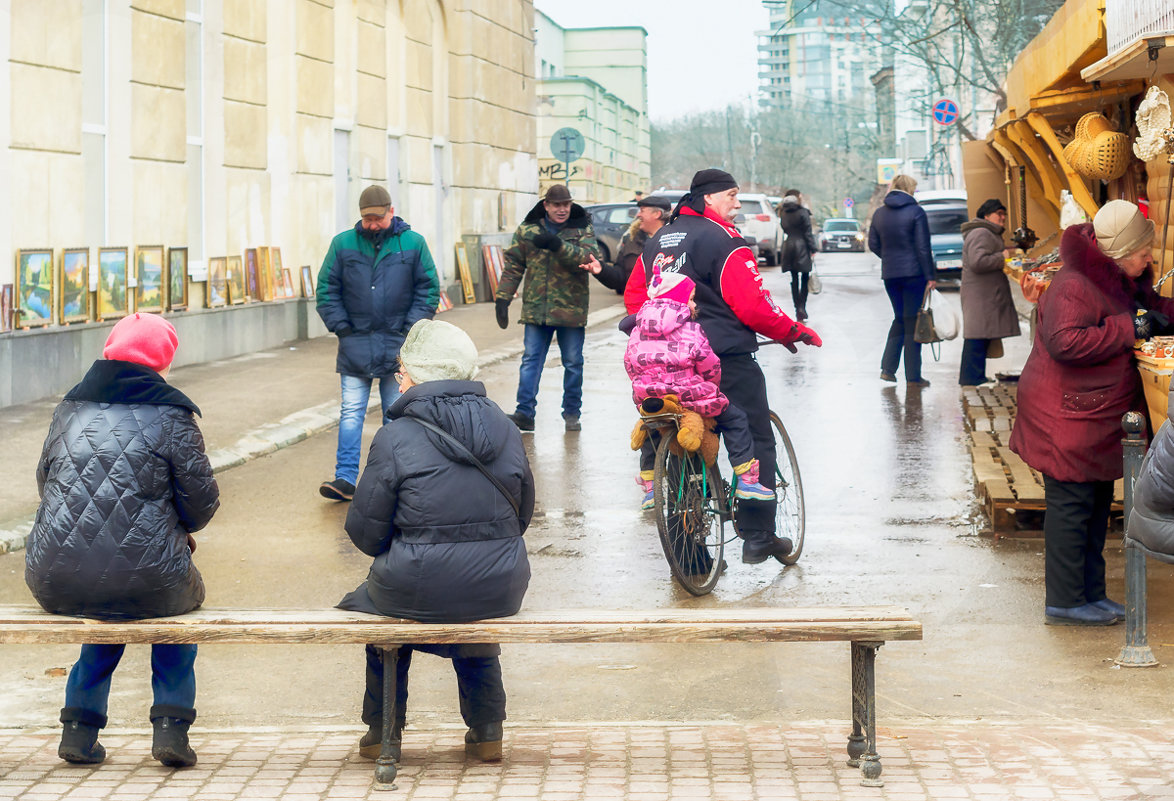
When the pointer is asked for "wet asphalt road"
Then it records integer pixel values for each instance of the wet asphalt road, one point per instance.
(891, 518)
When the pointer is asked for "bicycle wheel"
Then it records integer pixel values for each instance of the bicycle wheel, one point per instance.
(687, 517)
(790, 514)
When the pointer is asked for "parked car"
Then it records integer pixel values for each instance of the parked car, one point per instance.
(740, 220)
(841, 233)
(945, 236)
(610, 221)
(762, 222)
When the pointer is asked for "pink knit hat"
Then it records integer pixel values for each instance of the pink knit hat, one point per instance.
(674, 286)
(145, 339)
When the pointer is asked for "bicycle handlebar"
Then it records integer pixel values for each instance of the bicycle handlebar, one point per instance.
(788, 345)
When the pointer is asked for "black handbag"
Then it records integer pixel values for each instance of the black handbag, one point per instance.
(924, 331)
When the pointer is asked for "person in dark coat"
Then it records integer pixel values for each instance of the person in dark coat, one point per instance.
(447, 545)
(988, 312)
(652, 214)
(1151, 521)
(124, 483)
(899, 234)
(798, 249)
(1078, 381)
(376, 281)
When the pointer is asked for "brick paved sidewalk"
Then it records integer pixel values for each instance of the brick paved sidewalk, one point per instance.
(642, 762)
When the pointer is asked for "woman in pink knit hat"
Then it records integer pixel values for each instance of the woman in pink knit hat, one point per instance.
(124, 482)
(669, 354)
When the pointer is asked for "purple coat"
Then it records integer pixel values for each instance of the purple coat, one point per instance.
(669, 354)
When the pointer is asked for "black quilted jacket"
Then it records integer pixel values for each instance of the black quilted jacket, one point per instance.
(123, 479)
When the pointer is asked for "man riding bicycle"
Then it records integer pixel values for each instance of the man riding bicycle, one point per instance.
(702, 243)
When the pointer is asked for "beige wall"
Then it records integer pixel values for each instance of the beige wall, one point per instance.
(252, 122)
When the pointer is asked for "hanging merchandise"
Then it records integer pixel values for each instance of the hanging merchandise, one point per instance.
(1071, 212)
(1153, 118)
(1097, 151)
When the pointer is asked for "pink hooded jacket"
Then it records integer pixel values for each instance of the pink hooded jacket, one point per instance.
(669, 354)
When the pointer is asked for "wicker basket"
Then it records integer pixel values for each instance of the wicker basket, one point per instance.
(1091, 125)
(1107, 157)
(1076, 154)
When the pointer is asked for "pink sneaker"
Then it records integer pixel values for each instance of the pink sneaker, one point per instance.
(646, 485)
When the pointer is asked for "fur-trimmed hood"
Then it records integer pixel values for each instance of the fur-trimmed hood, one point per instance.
(578, 218)
(1080, 253)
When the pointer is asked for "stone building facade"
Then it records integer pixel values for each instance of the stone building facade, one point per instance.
(221, 125)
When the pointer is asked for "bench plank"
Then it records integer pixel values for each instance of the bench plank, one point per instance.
(27, 624)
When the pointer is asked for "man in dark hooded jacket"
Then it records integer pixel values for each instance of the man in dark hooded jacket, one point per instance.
(550, 248)
(447, 541)
(124, 482)
(376, 281)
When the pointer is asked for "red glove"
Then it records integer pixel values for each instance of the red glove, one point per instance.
(807, 336)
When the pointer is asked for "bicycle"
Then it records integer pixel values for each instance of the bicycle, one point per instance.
(693, 502)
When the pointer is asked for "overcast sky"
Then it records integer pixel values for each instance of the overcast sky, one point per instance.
(710, 41)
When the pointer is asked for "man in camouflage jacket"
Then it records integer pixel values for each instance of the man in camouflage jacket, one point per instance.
(551, 248)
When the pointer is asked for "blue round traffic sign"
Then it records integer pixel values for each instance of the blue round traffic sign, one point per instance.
(567, 144)
(945, 111)
(849, 202)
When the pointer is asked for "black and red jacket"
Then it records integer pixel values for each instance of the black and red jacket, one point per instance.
(731, 303)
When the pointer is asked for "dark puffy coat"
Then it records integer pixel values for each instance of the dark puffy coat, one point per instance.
(370, 299)
(123, 480)
(800, 242)
(1081, 377)
(1151, 523)
(447, 544)
(899, 234)
(988, 312)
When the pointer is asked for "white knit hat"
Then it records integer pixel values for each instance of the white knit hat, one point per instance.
(438, 351)
(1121, 229)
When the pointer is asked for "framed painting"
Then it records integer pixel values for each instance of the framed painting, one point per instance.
(279, 274)
(494, 261)
(466, 276)
(265, 283)
(150, 278)
(74, 280)
(177, 279)
(252, 277)
(112, 280)
(235, 278)
(217, 295)
(307, 281)
(287, 282)
(6, 307)
(34, 289)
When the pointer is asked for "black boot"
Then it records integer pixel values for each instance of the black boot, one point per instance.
(371, 743)
(484, 742)
(170, 745)
(758, 546)
(79, 737)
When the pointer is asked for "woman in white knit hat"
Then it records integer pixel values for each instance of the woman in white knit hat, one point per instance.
(1078, 382)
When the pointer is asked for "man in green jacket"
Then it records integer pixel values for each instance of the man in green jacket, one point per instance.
(551, 248)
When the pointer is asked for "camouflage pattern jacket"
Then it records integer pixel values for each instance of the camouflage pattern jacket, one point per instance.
(556, 286)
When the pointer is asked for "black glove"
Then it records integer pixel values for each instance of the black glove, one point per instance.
(548, 241)
(344, 330)
(502, 309)
(1148, 323)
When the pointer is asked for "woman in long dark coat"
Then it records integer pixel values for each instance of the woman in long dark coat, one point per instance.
(988, 312)
(1078, 382)
(798, 249)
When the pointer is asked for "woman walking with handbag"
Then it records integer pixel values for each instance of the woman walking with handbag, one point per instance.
(899, 234)
(798, 257)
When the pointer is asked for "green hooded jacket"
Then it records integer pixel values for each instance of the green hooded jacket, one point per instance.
(556, 286)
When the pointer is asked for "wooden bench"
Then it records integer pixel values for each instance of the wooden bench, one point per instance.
(865, 627)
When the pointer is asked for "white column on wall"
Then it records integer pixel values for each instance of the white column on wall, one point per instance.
(282, 104)
(8, 191)
(211, 91)
(94, 114)
(446, 257)
(194, 98)
(346, 92)
(395, 109)
(118, 174)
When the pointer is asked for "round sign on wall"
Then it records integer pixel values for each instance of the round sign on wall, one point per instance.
(567, 144)
(849, 202)
(945, 111)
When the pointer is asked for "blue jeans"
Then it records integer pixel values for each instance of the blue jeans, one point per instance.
(537, 344)
(356, 391)
(173, 678)
(905, 294)
(972, 368)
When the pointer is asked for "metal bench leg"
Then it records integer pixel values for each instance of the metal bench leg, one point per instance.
(385, 769)
(862, 741)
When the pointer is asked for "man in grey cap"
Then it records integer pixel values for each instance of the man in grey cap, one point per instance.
(551, 248)
(377, 280)
(652, 214)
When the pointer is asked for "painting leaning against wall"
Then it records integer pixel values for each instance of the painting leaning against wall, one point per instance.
(150, 278)
(177, 277)
(112, 275)
(34, 288)
(74, 281)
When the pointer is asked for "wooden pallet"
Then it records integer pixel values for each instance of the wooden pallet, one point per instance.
(1011, 491)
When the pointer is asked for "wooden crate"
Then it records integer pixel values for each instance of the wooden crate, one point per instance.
(1007, 486)
(1155, 381)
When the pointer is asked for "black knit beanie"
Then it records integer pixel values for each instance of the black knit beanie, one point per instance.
(989, 207)
(706, 182)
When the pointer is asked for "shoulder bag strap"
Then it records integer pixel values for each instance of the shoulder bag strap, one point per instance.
(476, 462)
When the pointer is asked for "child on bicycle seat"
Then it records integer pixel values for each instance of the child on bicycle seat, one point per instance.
(669, 354)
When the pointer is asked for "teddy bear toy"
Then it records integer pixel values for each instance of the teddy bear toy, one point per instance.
(694, 432)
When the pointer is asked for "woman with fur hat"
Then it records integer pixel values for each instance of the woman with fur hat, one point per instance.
(1078, 382)
(988, 313)
(124, 483)
(447, 545)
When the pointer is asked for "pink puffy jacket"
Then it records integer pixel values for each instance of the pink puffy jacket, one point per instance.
(669, 354)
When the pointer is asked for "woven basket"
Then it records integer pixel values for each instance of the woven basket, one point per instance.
(1107, 157)
(1076, 153)
(1091, 125)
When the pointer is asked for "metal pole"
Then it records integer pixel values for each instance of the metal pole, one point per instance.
(1136, 651)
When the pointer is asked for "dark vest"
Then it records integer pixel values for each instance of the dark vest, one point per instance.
(698, 247)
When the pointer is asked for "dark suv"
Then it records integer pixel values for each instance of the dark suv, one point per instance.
(945, 237)
(610, 221)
